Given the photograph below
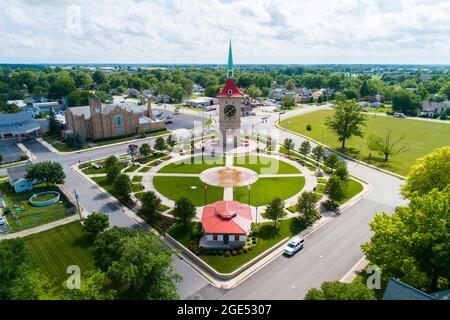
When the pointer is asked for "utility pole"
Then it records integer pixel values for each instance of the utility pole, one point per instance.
(78, 203)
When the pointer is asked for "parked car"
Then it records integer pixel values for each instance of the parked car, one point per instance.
(2, 221)
(399, 115)
(158, 113)
(169, 116)
(167, 121)
(294, 246)
(265, 117)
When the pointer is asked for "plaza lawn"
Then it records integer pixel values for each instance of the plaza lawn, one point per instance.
(30, 216)
(103, 182)
(131, 169)
(421, 137)
(268, 237)
(265, 165)
(56, 249)
(136, 179)
(193, 165)
(177, 187)
(92, 170)
(125, 139)
(353, 188)
(265, 190)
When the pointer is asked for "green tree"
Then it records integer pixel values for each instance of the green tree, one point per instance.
(111, 161)
(122, 187)
(171, 142)
(341, 171)
(288, 103)
(34, 285)
(335, 189)
(212, 91)
(347, 120)
(96, 223)
(54, 126)
(254, 92)
(160, 144)
(337, 290)
(405, 101)
(443, 115)
(307, 206)
(145, 149)
(288, 144)
(275, 211)
(364, 90)
(429, 172)
(290, 85)
(332, 160)
(305, 147)
(112, 173)
(145, 267)
(184, 211)
(61, 87)
(387, 146)
(150, 205)
(413, 244)
(93, 286)
(318, 153)
(98, 77)
(47, 171)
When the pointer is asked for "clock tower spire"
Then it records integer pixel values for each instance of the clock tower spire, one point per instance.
(230, 101)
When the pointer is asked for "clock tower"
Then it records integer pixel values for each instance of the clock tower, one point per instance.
(230, 100)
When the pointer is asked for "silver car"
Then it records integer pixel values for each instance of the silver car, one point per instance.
(294, 246)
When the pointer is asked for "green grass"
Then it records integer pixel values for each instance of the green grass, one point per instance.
(151, 158)
(421, 137)
(268, 237)
(145, 169)
(292, 209)
(92, 170)
(103, 182)
(56, 249)
(265, 165)
(131, 169)
(193, 165)
(177, 187)
(32, 216)
(321, 188)
(136, 187)
(265, 190)
(353, 188)
(136, 179)
(125, 139)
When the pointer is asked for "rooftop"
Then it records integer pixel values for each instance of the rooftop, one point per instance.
(226, 217)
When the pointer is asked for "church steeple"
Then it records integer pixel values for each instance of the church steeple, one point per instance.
(230, 67)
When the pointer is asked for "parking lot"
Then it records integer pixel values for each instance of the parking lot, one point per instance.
(10, 151)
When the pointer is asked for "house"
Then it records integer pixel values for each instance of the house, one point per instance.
(225, 225)
(19, 125)
(16, 176)
(197, 89)
(133, 93)
(18, 103)
(201, 102)
(48, 106)
(99, 121)
(432, 109)
(164, 98)
(397, 290)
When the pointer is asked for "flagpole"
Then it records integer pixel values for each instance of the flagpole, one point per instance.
(206, 189)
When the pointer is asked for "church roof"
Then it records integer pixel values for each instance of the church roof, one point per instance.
(230, 90)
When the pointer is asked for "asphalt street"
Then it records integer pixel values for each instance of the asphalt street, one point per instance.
(329, 253)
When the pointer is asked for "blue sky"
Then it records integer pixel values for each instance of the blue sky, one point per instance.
(197, 31)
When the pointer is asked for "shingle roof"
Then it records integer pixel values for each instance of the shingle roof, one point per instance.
(397, 290)
(18, 172)
(108, 108)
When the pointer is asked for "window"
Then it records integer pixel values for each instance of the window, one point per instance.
(230, 92)
(236, 238)
(97, 110)
(215, 238)
(107, 123)
(118, 120)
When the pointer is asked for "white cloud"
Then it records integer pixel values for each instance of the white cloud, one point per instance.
(197, 31)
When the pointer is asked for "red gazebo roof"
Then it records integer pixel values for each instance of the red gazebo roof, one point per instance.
(230, 90)
(226, 217)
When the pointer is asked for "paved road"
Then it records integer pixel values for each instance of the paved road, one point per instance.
(329, 253)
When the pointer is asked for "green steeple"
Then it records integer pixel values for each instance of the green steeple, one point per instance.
(230, 66)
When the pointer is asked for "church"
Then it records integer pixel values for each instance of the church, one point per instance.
(230, 108)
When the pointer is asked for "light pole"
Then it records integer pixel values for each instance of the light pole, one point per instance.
(78, 203)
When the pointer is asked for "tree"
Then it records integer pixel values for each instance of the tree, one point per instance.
(337, 290)
(150, 205)
(111, 161)
(61, 87)
(305, 147)
(288, 103)
(364, 90)
(347, 120)
(429, 172)
(386, 147)
(112, 173)
(145, 267)
(318, 153)
(145, 150)
(184, 211)
(275, 211)
(1, 158)
(341, 171)
(98, 77)
(54, 125)
(332, 161)
(405, 101)
(93, 286)
(212, 91)
(96, 223)
(160, 144)
(290, 85)
(413, 244)
(335, 189)
(47, 171)
(171, 142)
(443, 115)
(288, 144)
(254, 92)
(306, 204)
(122, 187)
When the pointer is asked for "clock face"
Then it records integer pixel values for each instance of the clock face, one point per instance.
(230, 111)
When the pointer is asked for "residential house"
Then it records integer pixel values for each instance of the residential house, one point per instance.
(163, 98)
(197, 89)
(133, 93)
(99, 121)
(397, 290)
(53, 106)
(16, 176)
(18, 103)
(226, 225)
(433, 109)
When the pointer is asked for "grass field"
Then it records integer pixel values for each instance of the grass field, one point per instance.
(177, 187)
(421, 137)
(58, 248)
(30, 216)
(193, 165)
(266, 189)
(265, 165)
(268, 237)
(353, 188)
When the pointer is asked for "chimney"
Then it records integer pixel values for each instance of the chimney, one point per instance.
(149, 108)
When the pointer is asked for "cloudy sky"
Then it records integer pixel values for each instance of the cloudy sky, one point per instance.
(197, 31)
